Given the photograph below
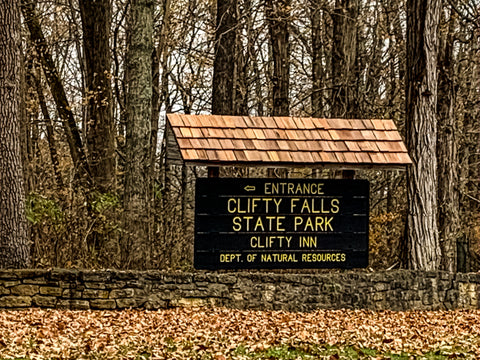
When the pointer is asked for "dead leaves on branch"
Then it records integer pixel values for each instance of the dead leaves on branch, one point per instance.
(218, 333)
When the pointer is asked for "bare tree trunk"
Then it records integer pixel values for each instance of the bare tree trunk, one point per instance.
(159, 87)
(136, 238)
(278, 13)
(344, 52)
(100, 126)
(14, 243)
(423, 247)
(447, 151)
(318, 71)
(52, 147)
(224, 62)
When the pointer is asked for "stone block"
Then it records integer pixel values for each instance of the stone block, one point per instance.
(51, 291)
(103, 304)
(190, 302)
(127, 275)
(96, 285)
(4, 290)
(15, 301)
(71, 294)
(8, 275)
(73, 304)
(36, 281)
(156, 301)
(31, 273)
(227, 279)
(122, 293)
(66, 275)
(45, 301)
(95, 294)
(10, 283)
(129, 303)
(381, 286)
(25, 290)
(95, 276)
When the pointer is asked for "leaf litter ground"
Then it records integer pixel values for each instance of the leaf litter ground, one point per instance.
(220, 334)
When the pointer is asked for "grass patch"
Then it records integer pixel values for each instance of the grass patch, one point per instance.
(337, 352)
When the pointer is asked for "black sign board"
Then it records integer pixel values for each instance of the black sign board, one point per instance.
(281, 223)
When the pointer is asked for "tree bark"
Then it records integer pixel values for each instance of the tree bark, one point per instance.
(318, 71)
(447, 151)
(423, 247)
(14, 243)
(344, 52)
(137, 204)
(52, 147)
(224, 62)
(278, 13)
(100, 126)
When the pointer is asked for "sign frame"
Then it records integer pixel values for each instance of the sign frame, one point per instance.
(264, 223)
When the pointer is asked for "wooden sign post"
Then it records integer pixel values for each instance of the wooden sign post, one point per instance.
(281, 223)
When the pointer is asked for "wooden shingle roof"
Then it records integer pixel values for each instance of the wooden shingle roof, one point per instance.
(286, 141)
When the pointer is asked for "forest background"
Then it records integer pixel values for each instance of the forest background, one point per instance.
(100, 76)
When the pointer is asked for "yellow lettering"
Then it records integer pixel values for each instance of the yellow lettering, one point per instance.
(334, 204)
(237, 223)
(230, 201)
(293, 204)
(268, 189)
(305, 206)
(259, 224)
(290, 187)
(328, 224)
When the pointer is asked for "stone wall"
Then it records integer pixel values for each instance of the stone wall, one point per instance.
(109, 289)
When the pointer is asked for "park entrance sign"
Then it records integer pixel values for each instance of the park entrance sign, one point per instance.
(281, 223)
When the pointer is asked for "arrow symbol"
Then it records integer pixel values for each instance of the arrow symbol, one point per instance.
(250, 188)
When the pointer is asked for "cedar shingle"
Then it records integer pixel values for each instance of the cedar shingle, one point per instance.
(233, 121)
(249, 144)
(196, 132)
(368, 135)
(202, 154)
(186, 132)
(240, 155)
(378, 124)
(251, 123)
(368, 124)
(229, 155)
(285, 156)
(350, 157)
(288, 139)
(308, 123)
(176, 120)
(184, 143)
(352, 145)
(269, 122)
(259, 134)
(363, 158)
(273, 155)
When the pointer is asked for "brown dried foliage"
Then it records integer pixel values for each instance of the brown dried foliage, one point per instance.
(186, 333)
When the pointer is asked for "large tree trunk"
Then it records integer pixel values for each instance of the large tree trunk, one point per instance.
(100, 126)
(423, 247)
(447, 146)
(224, 62)
(14, 244)
(344, 52)
(278, 13)
(137, 204)
(318, 70)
